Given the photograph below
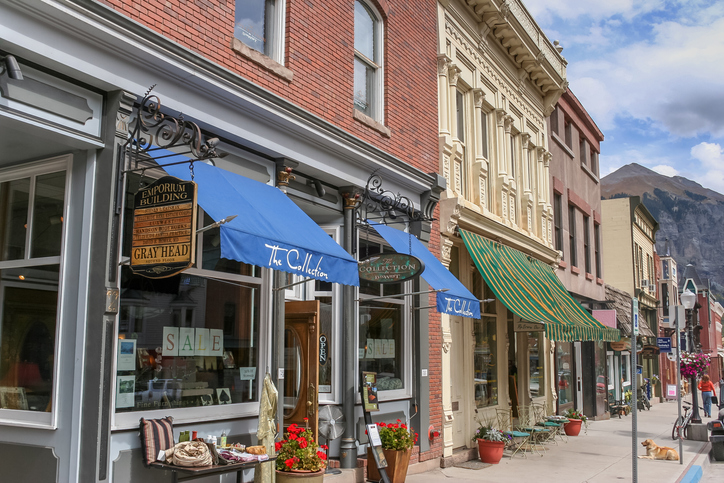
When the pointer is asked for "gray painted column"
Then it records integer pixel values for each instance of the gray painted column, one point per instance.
(98, 378)
(348, 445)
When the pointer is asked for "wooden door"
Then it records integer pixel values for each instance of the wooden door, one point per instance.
(301, 364)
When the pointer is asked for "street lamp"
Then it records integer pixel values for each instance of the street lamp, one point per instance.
(688, 300)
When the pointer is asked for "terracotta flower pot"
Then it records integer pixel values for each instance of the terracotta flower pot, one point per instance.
(572, 427)
(299, 476)
(397, 463)
(490, 451)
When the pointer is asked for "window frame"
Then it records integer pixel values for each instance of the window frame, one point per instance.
(558, 222)
(572, 235)
(377, 88)
(274, 48)
(587, 243)
(187, 415)
(37, 419)
(405, 333)
(597, 248)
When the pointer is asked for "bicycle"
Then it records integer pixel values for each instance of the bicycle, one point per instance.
(681, 426)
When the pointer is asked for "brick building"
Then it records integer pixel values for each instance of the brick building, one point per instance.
(311, 97)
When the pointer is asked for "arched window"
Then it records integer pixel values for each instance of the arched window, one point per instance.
(368, 74)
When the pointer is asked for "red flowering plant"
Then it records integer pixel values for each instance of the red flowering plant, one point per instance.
(396, 436)
(299, 452)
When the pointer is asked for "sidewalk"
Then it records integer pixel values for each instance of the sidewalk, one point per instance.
(602, 455)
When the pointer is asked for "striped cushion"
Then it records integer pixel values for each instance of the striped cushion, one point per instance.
(156, 435)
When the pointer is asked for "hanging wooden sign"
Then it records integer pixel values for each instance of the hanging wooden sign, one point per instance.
(390, 268)
(164, 228)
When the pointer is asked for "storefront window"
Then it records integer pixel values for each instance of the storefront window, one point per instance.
(564, 365)
(186, 341)
(381, 324)
(326, 360)
(191, 339)
(485, 362)
(31, 233)
(536, 358)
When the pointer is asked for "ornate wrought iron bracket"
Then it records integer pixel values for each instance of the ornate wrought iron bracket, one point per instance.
(155, 132)
(389, 205)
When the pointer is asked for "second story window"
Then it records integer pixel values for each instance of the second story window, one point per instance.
(583, 150)
(587, 243)
(594, 162)
(512, 155)
(572, 234)
(557, 217)
(260, 24)
(569, 135)
(367, 61)
(554, 121)
(484, 133)
(597, 248)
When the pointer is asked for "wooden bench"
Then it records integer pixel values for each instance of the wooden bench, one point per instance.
(188, 473)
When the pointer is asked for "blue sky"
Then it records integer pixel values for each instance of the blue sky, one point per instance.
(651, 74)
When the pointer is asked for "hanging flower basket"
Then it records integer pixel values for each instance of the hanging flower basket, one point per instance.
(694, 364)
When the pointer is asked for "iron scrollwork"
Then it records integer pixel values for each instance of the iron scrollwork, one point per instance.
(154, 130)
(389, 204)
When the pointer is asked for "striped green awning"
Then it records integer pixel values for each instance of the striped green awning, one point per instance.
(531, 290)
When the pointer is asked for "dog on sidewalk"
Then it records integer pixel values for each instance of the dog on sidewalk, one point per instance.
(656, 452)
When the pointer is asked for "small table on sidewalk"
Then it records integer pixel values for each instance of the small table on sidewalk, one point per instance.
(187, 473)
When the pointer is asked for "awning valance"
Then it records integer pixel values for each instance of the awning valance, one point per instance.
(456, 300)
(531, 290)
(270, 230)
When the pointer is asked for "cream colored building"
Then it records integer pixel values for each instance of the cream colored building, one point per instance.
(499, 78)
(629, 240)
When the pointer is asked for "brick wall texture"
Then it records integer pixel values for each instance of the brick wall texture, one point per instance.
(319, 50)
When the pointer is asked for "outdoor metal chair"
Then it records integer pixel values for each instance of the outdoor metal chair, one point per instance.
(519, 440)
(542, 418)
(526, 423)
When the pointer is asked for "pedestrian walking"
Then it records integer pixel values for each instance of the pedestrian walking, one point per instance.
(707, 391)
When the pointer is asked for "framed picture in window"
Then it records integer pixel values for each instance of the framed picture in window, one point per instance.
(13, 398)
(126, 355)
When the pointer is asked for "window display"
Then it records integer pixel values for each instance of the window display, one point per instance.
(536, 358)
(564, 365)
(31, 234)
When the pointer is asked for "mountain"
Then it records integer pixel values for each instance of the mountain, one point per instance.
(690, 216)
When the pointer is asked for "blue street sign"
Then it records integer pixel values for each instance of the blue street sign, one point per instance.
(639, 370)
(664, 344)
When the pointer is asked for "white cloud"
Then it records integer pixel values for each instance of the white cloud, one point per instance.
(543, 10)
(666, 170)
(711, 157)
(673, 80)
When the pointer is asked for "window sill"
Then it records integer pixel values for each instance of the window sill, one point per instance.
(562, 264)
(563, 145)
(590, 173)
(575, 270)
(369, 122)
(589, 276)
(599, 281)
(261, 60)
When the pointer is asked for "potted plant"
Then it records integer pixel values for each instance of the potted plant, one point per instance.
(397, 442)
(575, 419)
(299, 458)
(491, 443)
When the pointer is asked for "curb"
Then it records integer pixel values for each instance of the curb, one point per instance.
(693, 475)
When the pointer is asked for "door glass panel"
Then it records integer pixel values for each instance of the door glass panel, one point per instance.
(48, 215)
(485, 365)
(14, 218)
(292, 371)
(380, 343)
(564, 363)
(325, 342)
(536, 358)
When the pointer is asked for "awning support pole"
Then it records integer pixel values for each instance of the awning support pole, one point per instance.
(403, 295)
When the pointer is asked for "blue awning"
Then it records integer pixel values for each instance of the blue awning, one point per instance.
(457, 300)
(270, 230)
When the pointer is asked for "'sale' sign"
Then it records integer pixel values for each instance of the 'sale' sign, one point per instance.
(164, 228)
